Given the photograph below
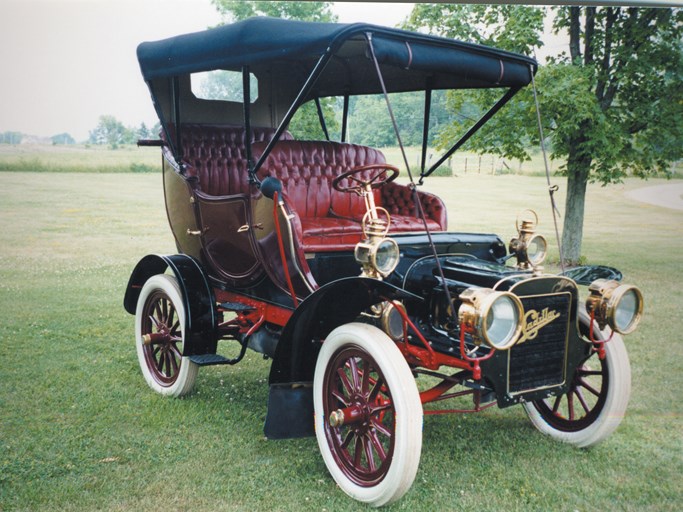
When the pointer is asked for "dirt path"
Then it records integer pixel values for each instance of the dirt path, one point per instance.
(666, 196)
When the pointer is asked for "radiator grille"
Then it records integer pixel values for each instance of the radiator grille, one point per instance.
(540, 362)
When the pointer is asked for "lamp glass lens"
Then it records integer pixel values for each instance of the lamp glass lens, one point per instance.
(386, 256)
(627, 309)
(536, 249)
(501, 321)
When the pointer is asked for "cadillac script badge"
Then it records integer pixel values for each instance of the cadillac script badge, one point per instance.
(535, 321)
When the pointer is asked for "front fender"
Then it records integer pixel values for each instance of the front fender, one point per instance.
(198, 298)
(332, 305)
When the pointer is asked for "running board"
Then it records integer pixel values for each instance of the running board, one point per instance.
(211, 360)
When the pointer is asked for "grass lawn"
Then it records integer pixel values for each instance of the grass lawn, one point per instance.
(80, 429)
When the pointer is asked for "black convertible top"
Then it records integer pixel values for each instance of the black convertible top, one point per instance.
(290, 49)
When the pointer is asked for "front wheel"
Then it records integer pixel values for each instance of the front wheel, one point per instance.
(160, 336)
(368, 414)
(597, 398)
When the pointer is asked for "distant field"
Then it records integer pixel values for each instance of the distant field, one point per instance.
(81, 431)
(78, 158)
(93, 158)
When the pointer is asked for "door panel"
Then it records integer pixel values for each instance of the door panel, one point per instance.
(227, 238)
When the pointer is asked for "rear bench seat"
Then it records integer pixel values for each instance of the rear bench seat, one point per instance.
(216, 155)
(329, 220)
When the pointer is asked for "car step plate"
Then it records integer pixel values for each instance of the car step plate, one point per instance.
(210, 359)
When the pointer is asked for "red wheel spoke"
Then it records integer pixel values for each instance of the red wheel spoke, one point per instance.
(174, 362)
(358, 452)
(173, 348)
(367, 449)
(155, 322)
(375, 390)
(570, 405)
(557, 403)
(582, 401)
(164, 310)
(588, 387)
(381, 408)
(377, 445)
(365, 378)
(348, 388)
(381, 428)
(347, 440)
(354, 374)
(583, 373)
(341, 398)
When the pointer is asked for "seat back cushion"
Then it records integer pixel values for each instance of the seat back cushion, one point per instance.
(307, 168)
(217, 155)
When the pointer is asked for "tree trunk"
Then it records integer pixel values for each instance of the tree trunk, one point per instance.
(578, 169)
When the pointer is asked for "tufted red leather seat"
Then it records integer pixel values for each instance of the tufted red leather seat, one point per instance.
(216, 154)
(329, 220)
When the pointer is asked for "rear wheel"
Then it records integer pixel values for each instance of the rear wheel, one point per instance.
(597, 399)
(368, 414)
(159, 337)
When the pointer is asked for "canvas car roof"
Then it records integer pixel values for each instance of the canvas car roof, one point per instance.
(289, 50)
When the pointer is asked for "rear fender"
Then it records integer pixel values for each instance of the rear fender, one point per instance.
(198, 298)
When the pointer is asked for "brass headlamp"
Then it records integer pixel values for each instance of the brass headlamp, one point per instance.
(377, 254)
(618, 305)
(493, 317)
(529, 248)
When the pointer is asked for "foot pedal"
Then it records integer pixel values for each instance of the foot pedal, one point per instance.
(236, 306)
(210, 360)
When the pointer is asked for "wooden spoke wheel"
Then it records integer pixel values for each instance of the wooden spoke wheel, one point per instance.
(596, 402)
(368, 414)
(159, 335)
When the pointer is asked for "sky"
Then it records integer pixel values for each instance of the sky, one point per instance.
(67, 62)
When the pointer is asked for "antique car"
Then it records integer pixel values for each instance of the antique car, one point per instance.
(311, 253)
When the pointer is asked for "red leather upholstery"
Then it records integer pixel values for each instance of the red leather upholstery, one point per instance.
(329, 220)
(217, 155)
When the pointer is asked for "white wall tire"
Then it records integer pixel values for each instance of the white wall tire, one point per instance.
(161, 313)
(599, 396)
(375, 459)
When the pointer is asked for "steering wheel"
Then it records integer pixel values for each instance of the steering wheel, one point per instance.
(378, 176)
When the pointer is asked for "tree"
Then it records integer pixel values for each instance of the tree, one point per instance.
(62, 138)
(307, 11)
(305, 123)
(612, 106)
(110, 130)
(11, 137)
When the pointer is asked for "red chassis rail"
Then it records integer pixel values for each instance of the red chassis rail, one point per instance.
(426, 357)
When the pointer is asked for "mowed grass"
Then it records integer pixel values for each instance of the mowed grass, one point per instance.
(80, 429)
(78, 158)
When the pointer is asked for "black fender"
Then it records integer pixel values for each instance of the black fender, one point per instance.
(198, 298)
(586, 274)
(290, 399)
(332, 305)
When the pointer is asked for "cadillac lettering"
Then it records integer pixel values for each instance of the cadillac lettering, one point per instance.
(535, 321)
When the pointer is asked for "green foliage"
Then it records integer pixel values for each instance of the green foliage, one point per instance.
(611, 106)
(62, 138)
(307, 11)
(513, 27)
(111, 131)
(11, 137)
(305, 124)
